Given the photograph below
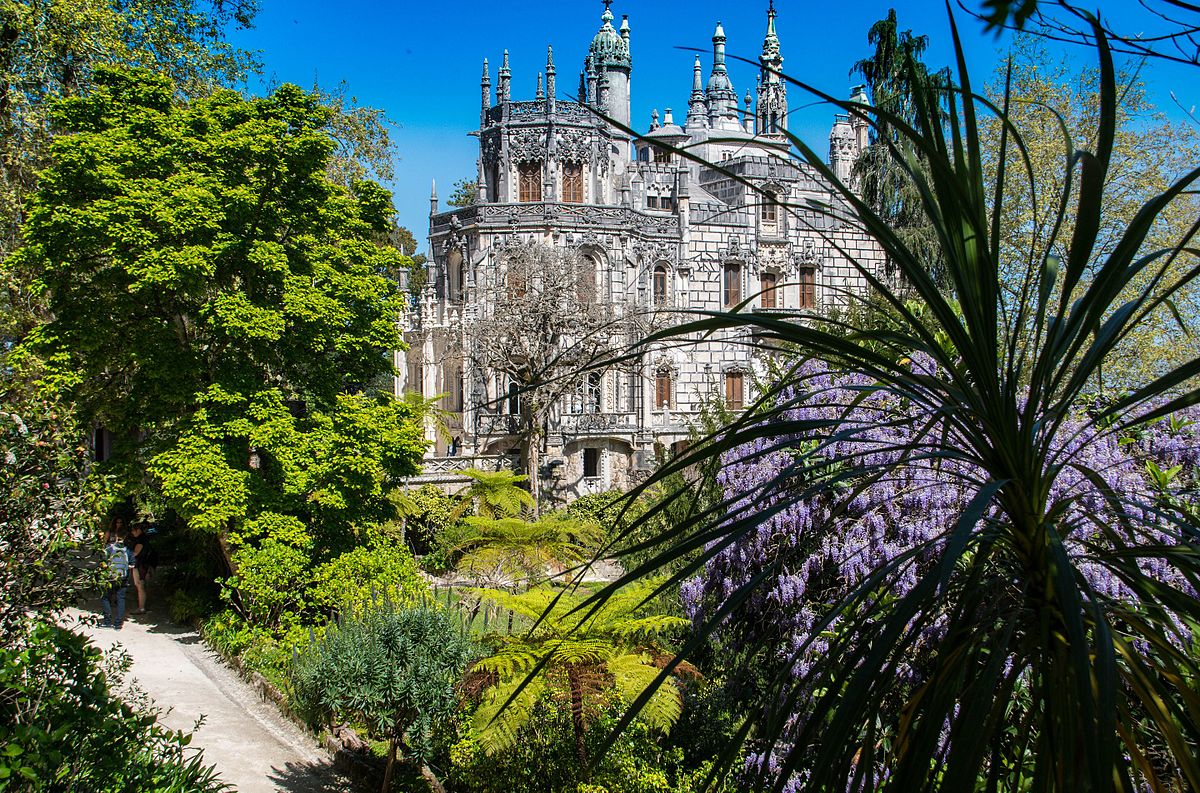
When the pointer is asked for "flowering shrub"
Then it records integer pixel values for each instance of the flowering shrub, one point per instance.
(852, 504)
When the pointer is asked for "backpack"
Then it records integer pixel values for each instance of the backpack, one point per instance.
(119, 564)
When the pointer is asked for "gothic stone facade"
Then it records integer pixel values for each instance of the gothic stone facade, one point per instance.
(660, 231)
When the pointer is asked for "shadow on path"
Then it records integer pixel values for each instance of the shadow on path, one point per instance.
(308, 777)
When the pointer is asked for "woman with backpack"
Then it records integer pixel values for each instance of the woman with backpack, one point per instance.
(119, 564)
(138, 543)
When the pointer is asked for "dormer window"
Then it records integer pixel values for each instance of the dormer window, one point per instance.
(661, 156)
(529, 181)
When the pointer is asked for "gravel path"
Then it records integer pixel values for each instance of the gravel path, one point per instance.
(251, 744)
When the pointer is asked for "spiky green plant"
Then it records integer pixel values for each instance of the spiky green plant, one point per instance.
(1064, 688)
(616, 648)
(395, 669)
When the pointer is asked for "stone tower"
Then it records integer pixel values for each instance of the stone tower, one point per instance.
(609, 60)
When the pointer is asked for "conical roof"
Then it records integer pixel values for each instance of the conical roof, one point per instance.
(608, 47)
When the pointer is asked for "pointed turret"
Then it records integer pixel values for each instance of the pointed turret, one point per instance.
(697, 117)
(551, 75)
(433, 199)
(609, 53)
(772, 91)
(722, 99)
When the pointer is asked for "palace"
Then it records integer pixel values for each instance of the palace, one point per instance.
(658, 230)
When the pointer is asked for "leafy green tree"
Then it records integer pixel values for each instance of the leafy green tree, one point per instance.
(1149, 153)
(463, 194)
(891, 72)
(48, 531)
(50, 49)
(614, 648)
(394, 669)
(216, 304)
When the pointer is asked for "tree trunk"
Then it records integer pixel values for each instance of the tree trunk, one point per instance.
(577, 714)
(430, 779)
(391, 766)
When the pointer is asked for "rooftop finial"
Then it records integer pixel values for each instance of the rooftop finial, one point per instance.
(607, 16)
(541, 94)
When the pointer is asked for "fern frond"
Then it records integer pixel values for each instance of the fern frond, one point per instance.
(651, 626)
(497, 720)
(632, 674)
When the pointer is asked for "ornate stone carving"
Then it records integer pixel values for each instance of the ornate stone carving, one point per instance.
(575, 145)
(490, 146)
(527, 145)
(808, 254)
(651, 252)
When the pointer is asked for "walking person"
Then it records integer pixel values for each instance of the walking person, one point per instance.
(138, 543)
(119, 564)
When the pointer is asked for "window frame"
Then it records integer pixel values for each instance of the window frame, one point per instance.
(731, 283)
(807, 281)
(572, 184)
(660, 286)
(663, 389)
(591, 461)
(735, 399)
(529, 182)
(768, 210)
(769, 290)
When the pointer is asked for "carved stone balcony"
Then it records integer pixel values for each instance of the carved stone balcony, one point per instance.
(498, 424)
(593, 424)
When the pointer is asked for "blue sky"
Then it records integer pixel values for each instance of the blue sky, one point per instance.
(421, 61)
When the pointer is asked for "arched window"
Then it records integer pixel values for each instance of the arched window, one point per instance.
(572, 186)
(769, 297)
(660, 290)
(662, 388)
(733, 284)
(594, 395)
(808, 287)
(529, 181)
(735, 395)
(514, 399)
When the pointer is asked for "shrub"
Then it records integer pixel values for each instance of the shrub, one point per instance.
(393, 669)
(355, 578)
(544, 758)
(48, 546)
(64, 726)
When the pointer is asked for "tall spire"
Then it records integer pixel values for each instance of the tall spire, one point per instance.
(697, 117)
(772, 91)
(722, 100)
(485, 89)
(551, 75)
(503, 89)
